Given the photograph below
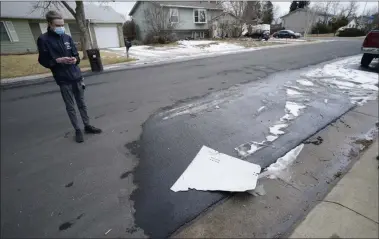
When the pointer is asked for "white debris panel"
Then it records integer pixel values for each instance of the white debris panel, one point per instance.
(211, 170)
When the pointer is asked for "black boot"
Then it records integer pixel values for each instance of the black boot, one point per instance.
(89, 129)
(79, 136)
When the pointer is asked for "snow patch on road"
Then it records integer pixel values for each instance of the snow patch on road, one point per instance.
(261, 108)
(292, 92)
(271, 138)
(294, 108)
(276, 129)
(277, 169)
(249, 148)
(347, 77)
(305, 82)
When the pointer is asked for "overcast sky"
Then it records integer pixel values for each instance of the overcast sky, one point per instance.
(125, 6)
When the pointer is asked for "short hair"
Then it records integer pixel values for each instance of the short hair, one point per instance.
(52, 15)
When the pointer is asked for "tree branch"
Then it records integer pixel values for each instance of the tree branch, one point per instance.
(41, 5)
(69, 8)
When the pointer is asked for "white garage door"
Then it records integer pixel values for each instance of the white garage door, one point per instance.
(107, 36)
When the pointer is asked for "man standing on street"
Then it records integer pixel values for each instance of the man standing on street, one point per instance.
(57, 52)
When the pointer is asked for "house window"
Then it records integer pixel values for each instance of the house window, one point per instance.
(4, 33)
(174, 15)
(200, 16)
(8, 33)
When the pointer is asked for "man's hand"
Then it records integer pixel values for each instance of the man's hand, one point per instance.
(72, 60)
(63, 60)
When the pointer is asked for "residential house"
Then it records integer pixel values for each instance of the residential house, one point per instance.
(21, 25)
(225, 25)
(360, 22)
(302, 19)
(187, 19)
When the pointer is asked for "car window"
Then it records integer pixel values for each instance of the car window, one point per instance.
(289, 31)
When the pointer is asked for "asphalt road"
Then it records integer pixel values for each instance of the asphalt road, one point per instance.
(53, 187)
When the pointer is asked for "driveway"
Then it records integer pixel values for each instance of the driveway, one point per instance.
(53, 187)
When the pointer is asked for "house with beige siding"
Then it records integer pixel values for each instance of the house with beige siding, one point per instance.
(21, 25)
(302, 19)
(191, 19)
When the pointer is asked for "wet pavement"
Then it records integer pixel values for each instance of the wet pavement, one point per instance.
(53, 187)
(294, 191)
(240, 116)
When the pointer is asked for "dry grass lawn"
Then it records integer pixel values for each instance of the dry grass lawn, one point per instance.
(24, 65)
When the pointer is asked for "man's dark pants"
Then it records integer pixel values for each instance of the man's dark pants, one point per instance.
(71, 91)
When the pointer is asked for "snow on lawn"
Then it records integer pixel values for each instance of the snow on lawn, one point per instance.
(184, 49)
(194, 43)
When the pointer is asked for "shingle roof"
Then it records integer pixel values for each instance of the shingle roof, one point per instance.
(185, 4)
(24, 10)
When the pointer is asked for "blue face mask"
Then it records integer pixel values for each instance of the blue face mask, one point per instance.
(59, 30)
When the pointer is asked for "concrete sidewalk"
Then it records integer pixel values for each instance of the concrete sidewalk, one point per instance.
(350, 210)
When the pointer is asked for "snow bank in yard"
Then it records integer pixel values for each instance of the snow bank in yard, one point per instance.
(182, 50)
(194, 43)
(223, 47)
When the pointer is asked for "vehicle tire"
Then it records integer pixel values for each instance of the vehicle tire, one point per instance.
(366, 59)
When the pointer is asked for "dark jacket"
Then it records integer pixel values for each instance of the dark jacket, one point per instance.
(52, 46)
(128, 43)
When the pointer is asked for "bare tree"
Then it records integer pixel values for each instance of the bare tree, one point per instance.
(253, 12)
(276, 11)
(327, 9)
(350, 10)
(80, 18)
(312, 17)
(335, 8)
(237, 8)
(158, 20)
(370, 11)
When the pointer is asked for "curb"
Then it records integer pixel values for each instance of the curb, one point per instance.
(137, 65)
